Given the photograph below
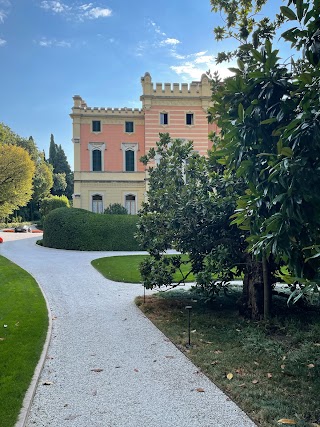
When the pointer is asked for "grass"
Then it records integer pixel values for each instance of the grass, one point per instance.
(126, 268)
(23, 328)
(275, 366)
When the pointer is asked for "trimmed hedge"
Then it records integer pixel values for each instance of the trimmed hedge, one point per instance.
(78, 229)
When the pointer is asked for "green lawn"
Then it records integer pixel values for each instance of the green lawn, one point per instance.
(274, 366)
(126, 268)
(23, 329)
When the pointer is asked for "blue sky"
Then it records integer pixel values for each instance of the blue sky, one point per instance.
(52, 50)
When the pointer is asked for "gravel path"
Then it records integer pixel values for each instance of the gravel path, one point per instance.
(108, 364)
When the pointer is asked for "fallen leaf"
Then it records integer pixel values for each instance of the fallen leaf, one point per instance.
(169, 357)
(47, 383)
(193, 331)
(282, 366)
(238, 330)
(255, 381)
(269, 375)
(136, 370)
(2, 339)
(317, 344)
(242, 385)
(214, 362)
(97, 370)
(5, 326)
(315, 425)
(256, 363)
(94, 393)
(284, 357)
(311, 365)
(16, 324)
(230, 376)
(217, 352)
(208, 342)
(200, 390)
(286, 421)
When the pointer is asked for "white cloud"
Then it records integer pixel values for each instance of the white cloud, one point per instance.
(97, 12)
(4, 9)
(156, 28)
(169, 41)
(2, 42)
(55, 6)
(86, 6)
(75, 12)
(199, 63)
(44, 42)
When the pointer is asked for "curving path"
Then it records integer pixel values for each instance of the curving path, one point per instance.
(108, 365)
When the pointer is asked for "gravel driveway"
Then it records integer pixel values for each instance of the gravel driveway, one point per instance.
(107, 364)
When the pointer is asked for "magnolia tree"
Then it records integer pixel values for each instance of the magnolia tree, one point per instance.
(188, 207)
(269, 120)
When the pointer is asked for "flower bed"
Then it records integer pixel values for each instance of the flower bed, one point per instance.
(37, 231)
(8, 230)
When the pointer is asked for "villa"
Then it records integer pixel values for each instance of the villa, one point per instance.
(108, 142)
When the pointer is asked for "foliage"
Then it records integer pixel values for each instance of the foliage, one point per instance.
(59, 162)
(50, 203)
(188, 209)
(79, 229)
(24, 311)
(16, 173)
(59, 184)
(42, 178)
(116, 209)
(270, 135)
(241, 22)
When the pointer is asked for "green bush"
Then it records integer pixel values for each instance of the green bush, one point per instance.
(82, 230)
(116, 209)
(50, 203)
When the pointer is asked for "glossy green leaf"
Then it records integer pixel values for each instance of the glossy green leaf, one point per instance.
(288, 13)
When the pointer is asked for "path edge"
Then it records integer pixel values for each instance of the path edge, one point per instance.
(28, 398)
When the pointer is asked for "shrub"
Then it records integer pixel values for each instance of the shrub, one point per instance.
(50, 203)
(82, 230)
(116, 209)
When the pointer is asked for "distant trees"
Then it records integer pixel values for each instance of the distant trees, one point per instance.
(16, 174)
(55, 177)
(62, 174)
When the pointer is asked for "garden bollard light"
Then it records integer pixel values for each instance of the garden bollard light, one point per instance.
(189, 308)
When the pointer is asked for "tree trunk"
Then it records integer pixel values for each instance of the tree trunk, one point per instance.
(251, 302)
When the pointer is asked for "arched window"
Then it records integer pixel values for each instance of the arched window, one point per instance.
(97, 203)
(96, 160)
(130, 203)
(129, 161)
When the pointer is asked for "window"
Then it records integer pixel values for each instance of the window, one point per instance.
(96, 152)
(129, 167)
(96, 161)
(129, 150)
(129, 127)
(189, 119)
(97, 203)
(96, 126)
(130, 204)
(163, 118)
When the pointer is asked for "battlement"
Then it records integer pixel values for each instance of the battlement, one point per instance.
(81, 107)
(194, 89)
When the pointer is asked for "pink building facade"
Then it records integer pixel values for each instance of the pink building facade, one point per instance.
(109, 142)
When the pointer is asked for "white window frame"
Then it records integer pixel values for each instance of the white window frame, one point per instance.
(129, 146)
(161, 116)
(96, 193)
(136, 201)
(96, 146)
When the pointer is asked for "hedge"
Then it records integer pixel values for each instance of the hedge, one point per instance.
(78, 229)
